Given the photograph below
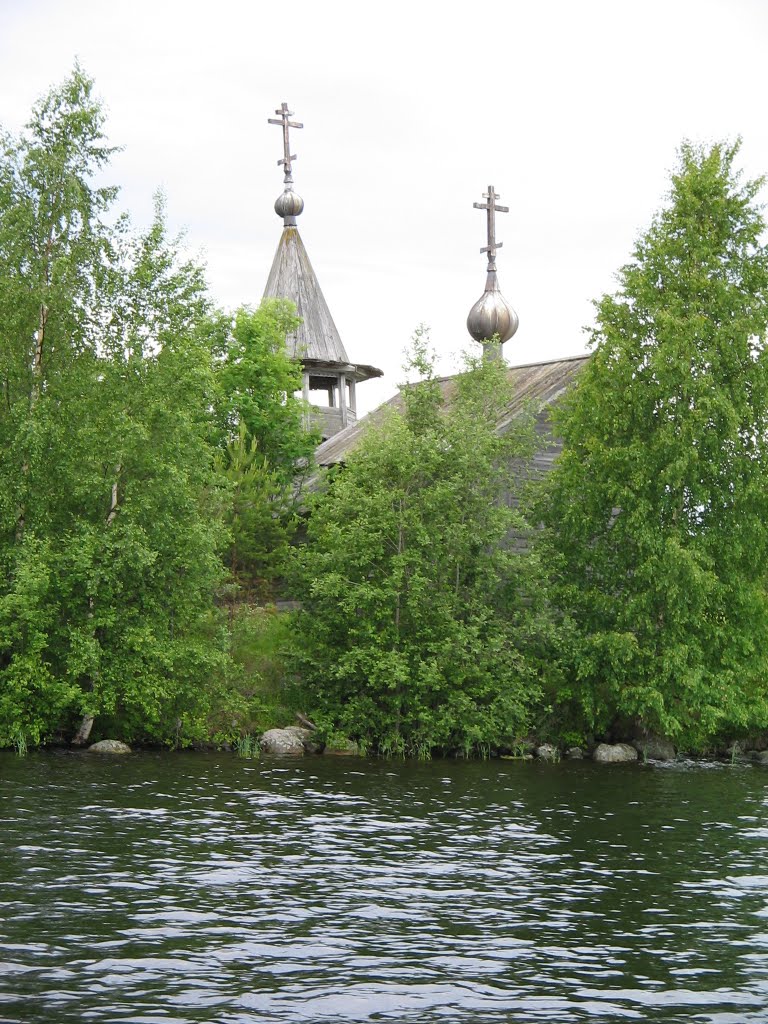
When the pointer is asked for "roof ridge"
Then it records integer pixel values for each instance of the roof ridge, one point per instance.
(549, 362)
(517, 366)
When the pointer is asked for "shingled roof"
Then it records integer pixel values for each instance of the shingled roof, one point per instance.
(535, 384)
(316, 338)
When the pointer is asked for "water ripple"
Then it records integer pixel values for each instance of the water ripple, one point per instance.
(181, 889)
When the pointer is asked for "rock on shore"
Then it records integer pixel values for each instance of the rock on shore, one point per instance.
(292, 740)
(547, 752)
(109, 747)
(614, 753)
(655, 748)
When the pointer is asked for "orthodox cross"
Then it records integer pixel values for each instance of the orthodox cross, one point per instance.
(492, 209)
(284, 120)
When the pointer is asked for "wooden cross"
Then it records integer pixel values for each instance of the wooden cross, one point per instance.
(284, 120)
(492, 210)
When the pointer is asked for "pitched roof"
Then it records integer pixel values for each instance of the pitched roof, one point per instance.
(292, 277)
(539, 384)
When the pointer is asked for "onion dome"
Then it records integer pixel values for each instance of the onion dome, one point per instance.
(492, 314)
(288, 206)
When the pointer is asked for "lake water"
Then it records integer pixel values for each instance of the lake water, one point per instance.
(170, 888)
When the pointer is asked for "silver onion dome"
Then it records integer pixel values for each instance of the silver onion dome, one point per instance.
(492, 314)
(289, 205)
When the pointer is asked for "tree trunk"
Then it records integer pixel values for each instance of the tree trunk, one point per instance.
(82, 734)
(37, 365)
(84, 730)
(114, 499)
(34, 395)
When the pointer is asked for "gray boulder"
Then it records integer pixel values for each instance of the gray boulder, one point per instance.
(291, 740)
(574, 753)
(760, 756)
(655, 748)
(614, 753)
(546, 752)
(109, 747)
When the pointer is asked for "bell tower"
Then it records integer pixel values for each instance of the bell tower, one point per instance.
(329, 378)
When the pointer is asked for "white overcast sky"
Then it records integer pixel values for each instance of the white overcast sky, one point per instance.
(573, 111)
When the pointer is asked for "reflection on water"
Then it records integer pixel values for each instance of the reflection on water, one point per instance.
(180, 888)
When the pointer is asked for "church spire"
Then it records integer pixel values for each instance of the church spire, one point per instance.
(329, 379)
(491, 315)
(288, 205)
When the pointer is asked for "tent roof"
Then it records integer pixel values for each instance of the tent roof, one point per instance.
(292, 277)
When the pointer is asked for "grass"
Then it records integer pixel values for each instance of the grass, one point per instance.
(247, 746)
(20, 743)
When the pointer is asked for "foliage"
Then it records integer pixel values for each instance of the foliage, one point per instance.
(262, 517)
(658, 510)
(258, 381)
(259, 638)
(111, 505)
(266, 449)
(414, 618)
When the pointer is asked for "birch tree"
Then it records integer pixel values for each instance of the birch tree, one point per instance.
(110, 505)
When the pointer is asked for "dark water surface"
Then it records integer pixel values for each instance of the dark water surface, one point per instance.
(180, 888)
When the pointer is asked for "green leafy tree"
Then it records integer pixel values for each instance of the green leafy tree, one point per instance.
(110, 505)
(266, 445)
(414, 613)
(658, 509)
(54, 253)
(147, 567)
(260, 517)
(258, 382)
